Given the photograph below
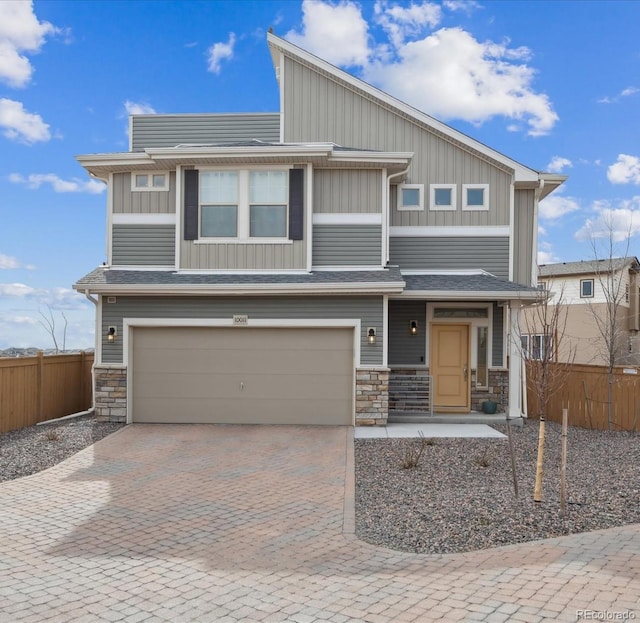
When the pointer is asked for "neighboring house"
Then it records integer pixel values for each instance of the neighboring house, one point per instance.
(588, 289)
(293, 267)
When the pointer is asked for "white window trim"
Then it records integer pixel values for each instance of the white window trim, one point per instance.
(139, 189)
(412, 208)
(593, 287)
(243, 210)
(475, 208)
(432, 198)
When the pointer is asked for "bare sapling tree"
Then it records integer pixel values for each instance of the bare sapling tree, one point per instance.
(49, 323)
(544, 325)
(610, 243)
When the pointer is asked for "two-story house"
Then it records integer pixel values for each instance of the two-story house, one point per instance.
(292, 267)
(601, 309)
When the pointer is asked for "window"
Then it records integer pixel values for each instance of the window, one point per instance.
(149, 181)
(442, 197)
(475, 196)
(460, 312)
(537, 347)
(626, 293)
(542, 285)
(244, 204)
(482, 371)
(586, 288)
(410, 197)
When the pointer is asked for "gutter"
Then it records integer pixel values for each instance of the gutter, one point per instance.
(404, 172)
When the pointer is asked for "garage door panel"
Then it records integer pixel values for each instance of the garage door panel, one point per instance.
(242, 375)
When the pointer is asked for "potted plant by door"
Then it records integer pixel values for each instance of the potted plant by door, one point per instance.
(489, 407)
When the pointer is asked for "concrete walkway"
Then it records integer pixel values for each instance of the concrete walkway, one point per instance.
(455, 431)
(227, 523)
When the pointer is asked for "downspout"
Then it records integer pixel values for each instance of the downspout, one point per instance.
(95, 355)
(404, 172)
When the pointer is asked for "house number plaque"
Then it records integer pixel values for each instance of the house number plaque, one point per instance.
(241, 321)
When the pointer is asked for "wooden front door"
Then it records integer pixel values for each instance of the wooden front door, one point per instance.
(450, 367)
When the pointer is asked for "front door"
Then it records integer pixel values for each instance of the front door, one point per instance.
(450, 367)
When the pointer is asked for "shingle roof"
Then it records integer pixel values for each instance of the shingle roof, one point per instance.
(476, 283)
(585, 267)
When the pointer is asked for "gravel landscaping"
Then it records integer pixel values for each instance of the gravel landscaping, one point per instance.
(29, 450)
(459, 498)
(461, 495)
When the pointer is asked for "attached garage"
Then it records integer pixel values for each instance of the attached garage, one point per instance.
(241, 375)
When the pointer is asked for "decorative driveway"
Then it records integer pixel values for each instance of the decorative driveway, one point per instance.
(199, 523)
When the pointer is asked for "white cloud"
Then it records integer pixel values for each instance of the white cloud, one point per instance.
(465, 6)
(401, 22)
(20, 320)
(626, 170)
(56, 298)
(8, 262)
(338, 33)
(138, 108)
(75, 185)
(558, 164)
(556, 206)
(20, 32)
(615, 223)
(546, 257)
(449, 74)
(20, 125)
(219, 52)
(17, 289)
(616, 98)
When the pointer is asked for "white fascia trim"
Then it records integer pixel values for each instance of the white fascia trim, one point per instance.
(144, 219)
(347, 219)
(391, 157)
(296, 151)
(240, 290)
(445, 271)
(398, 231)
(281, 77)
(145, 268)
(114, 159)
(521, 172)
(109, 236)
(469, 296)
(346, 269)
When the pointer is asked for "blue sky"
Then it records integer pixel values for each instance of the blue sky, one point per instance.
(554, 85)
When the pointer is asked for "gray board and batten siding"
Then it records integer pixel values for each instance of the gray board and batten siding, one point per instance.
(126, 201)
(319, 108)
(149, 131)
(369, 309)
(338, 191)
(347, 245)
(522, 238)
(143, 245)
(490, 253)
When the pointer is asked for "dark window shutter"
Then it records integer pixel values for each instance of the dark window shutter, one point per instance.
(296, 204)
(191, 204)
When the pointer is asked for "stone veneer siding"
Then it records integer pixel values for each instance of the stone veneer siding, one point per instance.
(498, 390)
(111, 394)
(372, 397)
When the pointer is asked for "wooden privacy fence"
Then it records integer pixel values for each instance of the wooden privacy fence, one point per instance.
(35, 389)
(584, 394)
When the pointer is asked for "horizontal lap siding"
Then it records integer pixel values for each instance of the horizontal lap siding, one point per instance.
(143, 245)
(171, 130)
(347, 245)
(369, 309)
(347, 192)
(489, 253)
(126, 201)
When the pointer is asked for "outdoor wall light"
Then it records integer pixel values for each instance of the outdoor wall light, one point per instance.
(371, 335)
(413, 327)
(111, 334)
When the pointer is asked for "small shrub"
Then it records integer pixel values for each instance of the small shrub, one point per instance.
(53, 435)
(484, 460)
(413, 452)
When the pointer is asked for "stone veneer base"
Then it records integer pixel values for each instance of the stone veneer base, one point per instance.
(111, 394)
(372, 396)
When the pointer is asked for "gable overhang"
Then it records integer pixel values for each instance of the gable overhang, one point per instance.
(278, 46)
(168, 158)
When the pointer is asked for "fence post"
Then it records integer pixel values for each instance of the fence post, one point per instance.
(40, 382)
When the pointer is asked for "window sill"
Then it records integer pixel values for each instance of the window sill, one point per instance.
(243, 241)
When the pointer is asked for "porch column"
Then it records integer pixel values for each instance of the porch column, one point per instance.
(515, 361)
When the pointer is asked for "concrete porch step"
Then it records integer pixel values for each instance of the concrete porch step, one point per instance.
(475, 417)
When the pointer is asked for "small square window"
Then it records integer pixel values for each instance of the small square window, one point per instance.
(410, 197)
(150, 181)
(475, 196)
(586, 288)
(443, 197)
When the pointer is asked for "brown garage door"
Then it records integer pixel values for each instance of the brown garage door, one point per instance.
(242, 375)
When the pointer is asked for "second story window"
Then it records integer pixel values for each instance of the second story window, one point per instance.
(244, 204)
(442, 197)
(410, 197)
(149, 181)
(586, 288)
(475, 196)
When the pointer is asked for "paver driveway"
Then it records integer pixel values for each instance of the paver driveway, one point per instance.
(228, 523)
